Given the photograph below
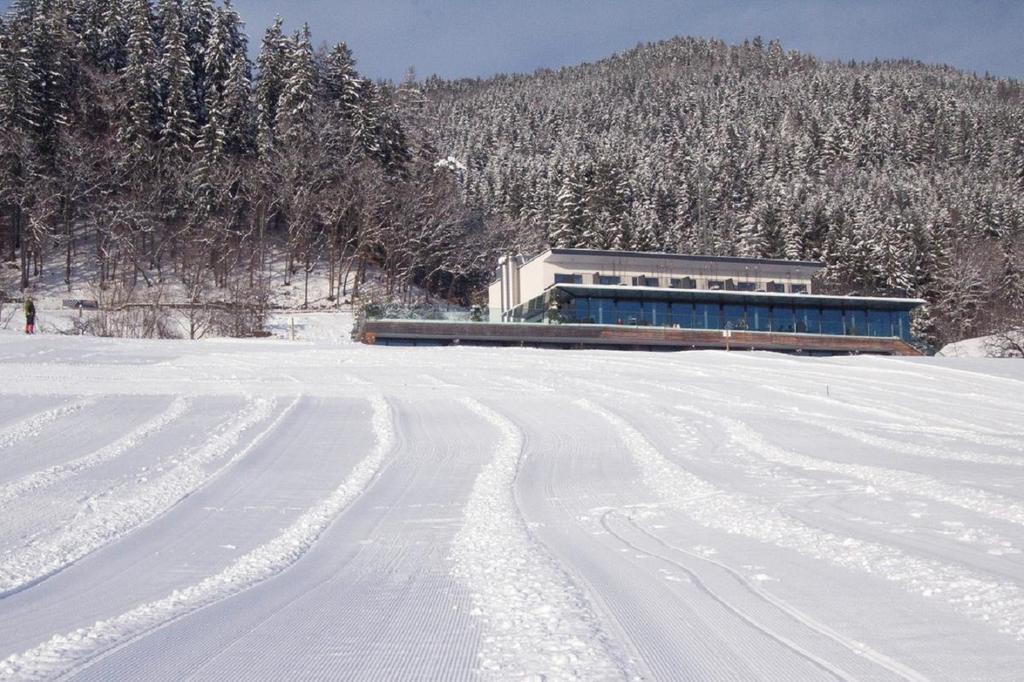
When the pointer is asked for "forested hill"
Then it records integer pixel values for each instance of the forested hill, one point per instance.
(905, 178)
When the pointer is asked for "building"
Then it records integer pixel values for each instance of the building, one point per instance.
(582, 286)
(584, 298)
(519, 281)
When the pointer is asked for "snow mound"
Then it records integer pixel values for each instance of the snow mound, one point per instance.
(538, 624)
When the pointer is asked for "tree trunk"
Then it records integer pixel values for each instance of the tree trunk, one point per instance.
(305, 291)
(20, 232)
(68, 235)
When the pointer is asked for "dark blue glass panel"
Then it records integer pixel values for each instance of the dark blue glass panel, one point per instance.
(832, 321)
(682, 315)
(880, 323)
(734, 317)
(759, 318)
(808, 320)
(707, 316)
(856, 322)
(901, 324)
(656, 313)
(783, 319)
(628, 312)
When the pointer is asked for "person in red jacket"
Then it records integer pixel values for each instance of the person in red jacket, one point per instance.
(30, 316)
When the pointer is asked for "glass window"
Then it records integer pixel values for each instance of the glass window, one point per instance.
(856, 322)
(759, 318)
(879, 323)
(707, 316)
(832, 321)
(656, 313)
(683, 283)
(609, 279)
(797, 288)
(746, 286)
(901, 324)
(783, 319)
(603, 310)
(628, 312)
(734, 317)
(566, 278)
(808, 320)
(716, 284)
(730, 285)
(682, 315)
(775, 287)
(645, 281)
(581, 309)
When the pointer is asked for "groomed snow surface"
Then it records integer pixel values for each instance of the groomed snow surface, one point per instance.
(271, 510)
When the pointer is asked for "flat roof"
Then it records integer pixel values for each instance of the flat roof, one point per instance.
(601, 253)
(720, 296)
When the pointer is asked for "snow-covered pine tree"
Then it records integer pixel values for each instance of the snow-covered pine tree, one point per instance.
(272, 63)
(341, 81)
(238, 113)
(176, 133)
(139, 86)
(17, 108)
(294, 113)
(198, 21)
(567, 223)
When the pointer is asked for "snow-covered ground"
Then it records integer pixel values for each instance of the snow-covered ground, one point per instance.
(266, 509)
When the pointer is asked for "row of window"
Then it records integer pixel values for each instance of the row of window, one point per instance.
(764, 318)
(683, 283)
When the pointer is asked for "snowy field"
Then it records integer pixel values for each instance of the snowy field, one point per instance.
(274, 510)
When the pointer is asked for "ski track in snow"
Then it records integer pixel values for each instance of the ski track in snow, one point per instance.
(34, 424)
(999, 603)
(858, 648)
(112, 515)
(65, 653)
(538, 624)
(828, 422)
(58, 472)
(744, 439)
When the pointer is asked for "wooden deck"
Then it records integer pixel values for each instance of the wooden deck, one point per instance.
(619, 337)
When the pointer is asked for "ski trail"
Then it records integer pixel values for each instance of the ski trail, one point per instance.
(807, 621)
(111, 516)
(827, 422)
(33, 425)
(539, 625)
(998, 603)
(745, 439)
(918, 419)
(58, 472)
(63, 654)
(905, 447)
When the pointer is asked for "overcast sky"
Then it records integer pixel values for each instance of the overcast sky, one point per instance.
(456, 38)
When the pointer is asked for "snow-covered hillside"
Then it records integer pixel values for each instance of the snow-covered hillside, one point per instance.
(277, 510)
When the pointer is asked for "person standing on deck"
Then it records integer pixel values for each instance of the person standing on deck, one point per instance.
(30, 316)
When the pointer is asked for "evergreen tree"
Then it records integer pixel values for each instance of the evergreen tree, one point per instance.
(272, 63)
(341, 82)
(235, 107)
(139, 84)
(296, 104)
(177, 131)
